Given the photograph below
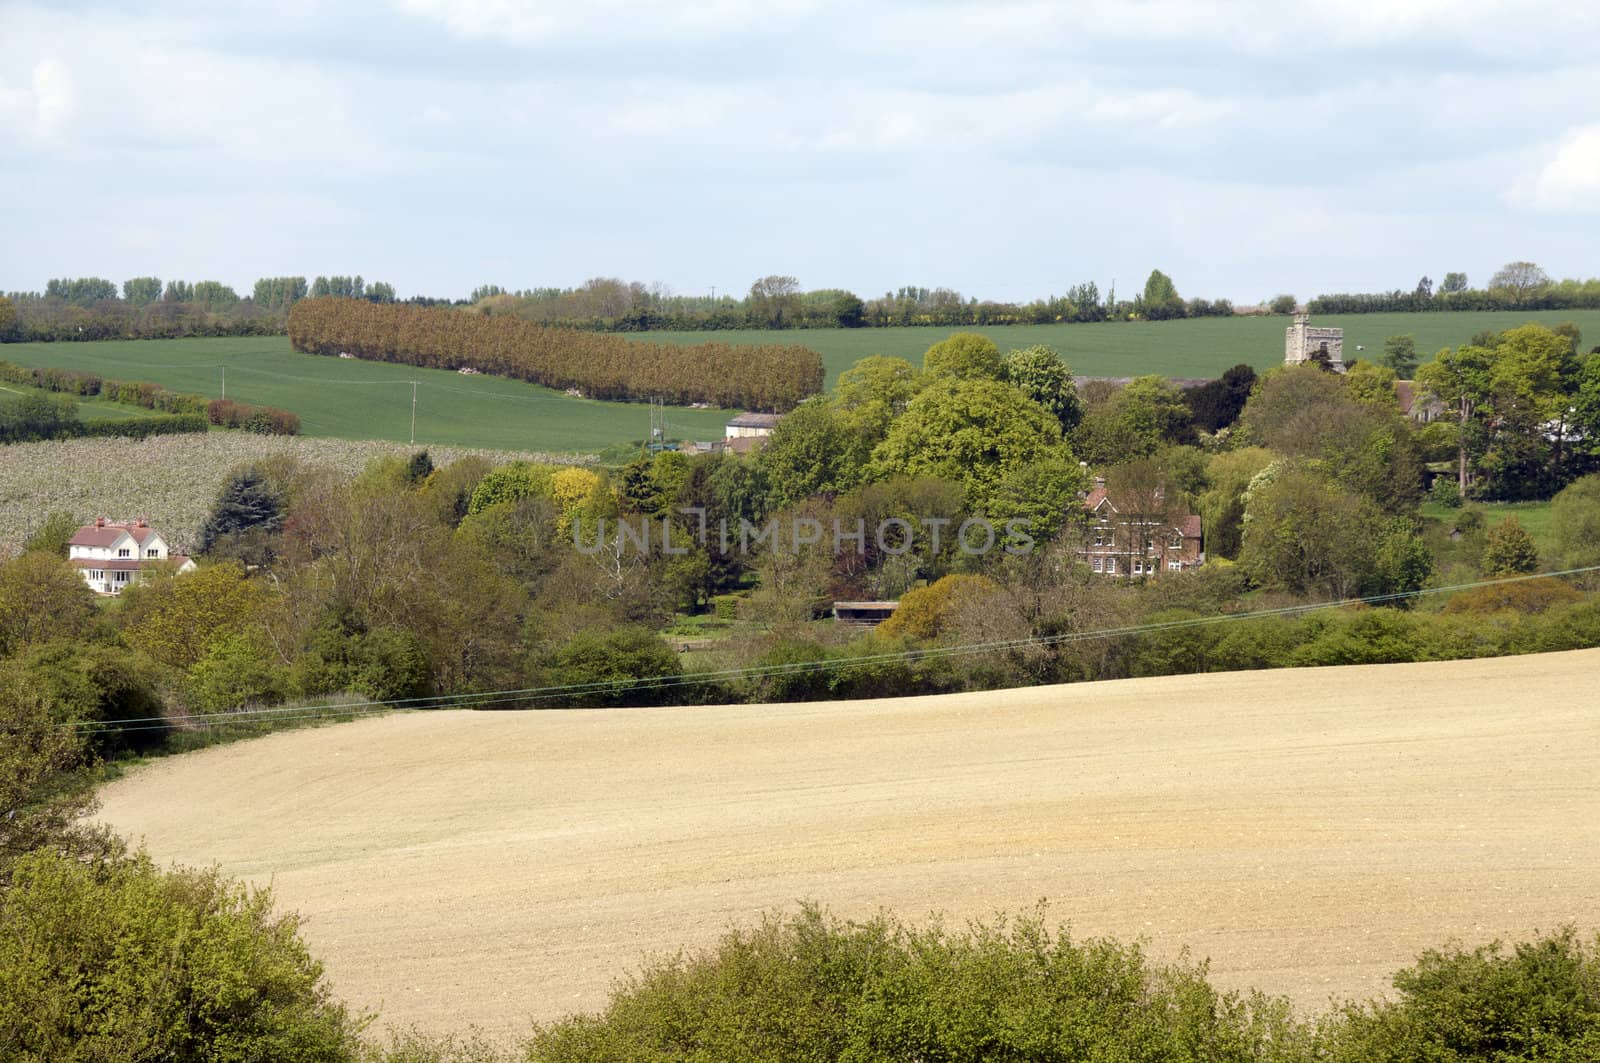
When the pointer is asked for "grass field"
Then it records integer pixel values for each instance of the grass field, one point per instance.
(1202, 347)
(354, 399)
(1309, 831)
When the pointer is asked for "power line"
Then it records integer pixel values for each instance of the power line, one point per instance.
(547, 693)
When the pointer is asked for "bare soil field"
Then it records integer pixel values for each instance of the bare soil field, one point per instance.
(1309, 831)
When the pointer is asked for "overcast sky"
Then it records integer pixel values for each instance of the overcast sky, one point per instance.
(1007, 150)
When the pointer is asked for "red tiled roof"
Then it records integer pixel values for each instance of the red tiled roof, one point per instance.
(1191, 527)
(1097, 496)
(106, 534)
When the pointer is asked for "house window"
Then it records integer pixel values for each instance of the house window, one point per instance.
(1175, 565)
(1097, 564)
(120, 577)
(1111, 566)
(97, 573)
(1138, 567)
(152, 552)
(124, 552)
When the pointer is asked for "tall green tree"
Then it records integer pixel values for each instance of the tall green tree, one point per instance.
(964, 356)
(1400, 354)
(1160, 299)
(1040, 373)
(141, 291)
(873, 392)
(812, 452)
(247, 503)
(973, 431)
(1134, 422)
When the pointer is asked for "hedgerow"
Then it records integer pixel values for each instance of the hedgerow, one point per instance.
(764, 377)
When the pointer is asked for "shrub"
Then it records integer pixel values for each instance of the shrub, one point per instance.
(607, 665)
(1540, 1001)
(119, 960)
(1523, 596)
(810, 987)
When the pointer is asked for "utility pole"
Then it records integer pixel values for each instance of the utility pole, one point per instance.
(413, 412)
(224, 381)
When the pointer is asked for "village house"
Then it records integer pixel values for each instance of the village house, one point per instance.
(748, 431)
(111, 556)
(1133, 540)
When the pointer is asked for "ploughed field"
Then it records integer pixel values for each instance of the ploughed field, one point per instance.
(1308, 830)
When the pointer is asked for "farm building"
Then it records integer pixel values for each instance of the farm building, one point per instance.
(748, 431)
(111, 556)
(1127, 538)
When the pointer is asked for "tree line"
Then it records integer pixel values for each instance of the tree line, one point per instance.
(91, 308)
(265, 420)
(764, 377)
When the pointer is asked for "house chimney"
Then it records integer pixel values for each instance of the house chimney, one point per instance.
(99, 522)
(1100, 482)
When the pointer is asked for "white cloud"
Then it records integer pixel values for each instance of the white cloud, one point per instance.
(46, 105)
(1570, 180)
(539, 22)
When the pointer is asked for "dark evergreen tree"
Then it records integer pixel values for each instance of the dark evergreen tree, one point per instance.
(246, 505)
(419, 467)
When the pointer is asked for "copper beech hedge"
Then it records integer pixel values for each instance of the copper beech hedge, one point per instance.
(773, 377)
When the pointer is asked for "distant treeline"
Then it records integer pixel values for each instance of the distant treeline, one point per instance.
(764, 377)
(93, 308)
(267, 420)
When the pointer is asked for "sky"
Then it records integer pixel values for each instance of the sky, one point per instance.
(1006, 150)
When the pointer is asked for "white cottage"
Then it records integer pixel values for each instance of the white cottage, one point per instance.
(111, 556)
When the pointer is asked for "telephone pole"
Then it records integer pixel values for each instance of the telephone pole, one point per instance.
(413, 412)
(224, 381)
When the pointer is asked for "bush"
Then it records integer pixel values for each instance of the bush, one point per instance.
(607, 666)
(1445, 492)
(1539, 1002)
(810, 987)
(120, 960)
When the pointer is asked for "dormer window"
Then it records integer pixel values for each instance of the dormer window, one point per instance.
(124, 552)
(152, 552)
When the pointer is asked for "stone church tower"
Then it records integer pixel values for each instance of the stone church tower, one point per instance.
(1303, 343)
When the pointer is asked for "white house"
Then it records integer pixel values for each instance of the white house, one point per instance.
(111, 556)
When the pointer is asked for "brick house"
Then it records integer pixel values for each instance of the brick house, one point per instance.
(111, 556)
(1124, 540)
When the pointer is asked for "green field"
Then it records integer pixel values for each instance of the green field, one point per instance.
(1202, 347)
(353, 399)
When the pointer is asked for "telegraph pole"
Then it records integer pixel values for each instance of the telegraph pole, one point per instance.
(224, 381)
(413, 412)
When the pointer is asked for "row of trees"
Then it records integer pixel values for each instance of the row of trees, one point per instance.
(769, 377)
(779, 302)
(1515, 286)
(89, 308)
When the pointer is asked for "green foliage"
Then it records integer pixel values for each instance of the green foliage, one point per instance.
(964, 356)
(174, 620)
(1135, 422)
(1308, 536)
(925, 613)
(36, 758)
(873, 392)
(86, 682)
(53, 534)
(605, 666)
(1444, 492)
(813, 451)
(1229, 475)
(1216, 404)
(1040, 373)
(972, 431)
(1575, 522)
(1160, 299)
(340, 654)
(1509, 550)
(814, 988)
(1400, 354)
(1044, 496)
(42, 597)
(1538, 1001)
(510, 482)
(120, 960)
(236, 671)
(1523, 597)
(246, 504)
(1283, 304)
